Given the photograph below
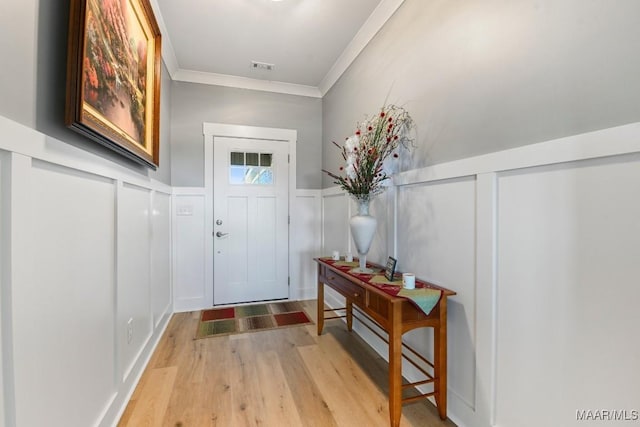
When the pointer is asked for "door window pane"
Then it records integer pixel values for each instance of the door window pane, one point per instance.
(265, 159)
(252, 159)
(237, 159)
(250, 168)
(236, 175)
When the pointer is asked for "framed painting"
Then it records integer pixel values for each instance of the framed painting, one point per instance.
(113, 76)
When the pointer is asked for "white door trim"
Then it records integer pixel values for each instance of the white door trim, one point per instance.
(211, 130)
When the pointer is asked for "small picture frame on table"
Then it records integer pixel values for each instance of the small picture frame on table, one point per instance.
(390, 269)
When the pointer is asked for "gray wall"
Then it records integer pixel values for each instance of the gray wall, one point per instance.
(485, 76)
(192, 104)
(17, 50)
(33, 48)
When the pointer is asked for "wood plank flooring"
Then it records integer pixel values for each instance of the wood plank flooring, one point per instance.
(281, 377)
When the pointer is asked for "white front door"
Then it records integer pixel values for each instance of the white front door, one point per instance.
(250, 214)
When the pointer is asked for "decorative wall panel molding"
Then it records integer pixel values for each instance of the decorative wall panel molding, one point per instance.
(82, 238)
(540, 243)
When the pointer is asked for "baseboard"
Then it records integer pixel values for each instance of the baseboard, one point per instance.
(306, 293)
(118, 404)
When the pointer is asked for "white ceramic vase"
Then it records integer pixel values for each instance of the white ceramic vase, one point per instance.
(363, 228)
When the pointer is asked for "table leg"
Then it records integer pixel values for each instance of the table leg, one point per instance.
(440, 360)
(395, 363)
(320, 302)
(349, 310)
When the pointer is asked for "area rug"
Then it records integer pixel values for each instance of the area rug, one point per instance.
(250, 318)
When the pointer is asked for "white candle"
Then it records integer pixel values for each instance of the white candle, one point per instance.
(408, 280)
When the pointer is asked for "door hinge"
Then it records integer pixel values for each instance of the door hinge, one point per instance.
(288, 219)
(288, 158)
(289, 281)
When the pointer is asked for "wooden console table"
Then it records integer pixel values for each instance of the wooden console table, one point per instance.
(395, 315)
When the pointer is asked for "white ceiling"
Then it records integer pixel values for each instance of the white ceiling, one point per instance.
(310, 42)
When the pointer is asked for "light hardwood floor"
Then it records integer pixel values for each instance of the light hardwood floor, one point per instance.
(280, 377)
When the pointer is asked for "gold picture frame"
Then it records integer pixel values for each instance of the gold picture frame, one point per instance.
(113, 76)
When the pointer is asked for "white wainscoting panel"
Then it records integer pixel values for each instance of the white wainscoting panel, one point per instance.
(160, 256)
(541, 245)
(4, 246)
(190, 291)
(75, 262)
(134, 253)
(335, 223)
(306, 238)
(63, 296)
(568, 293)
(336, 208)
(436, 241)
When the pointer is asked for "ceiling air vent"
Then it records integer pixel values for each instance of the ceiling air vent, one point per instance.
(255, 65)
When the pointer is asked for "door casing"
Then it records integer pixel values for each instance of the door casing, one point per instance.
(212, 130)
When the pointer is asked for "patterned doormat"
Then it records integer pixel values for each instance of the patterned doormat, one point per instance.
(250, 318)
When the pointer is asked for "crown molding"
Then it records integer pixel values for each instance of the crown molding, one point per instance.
(245, 83)
(367, 32)
(168, 53)
(381, 14)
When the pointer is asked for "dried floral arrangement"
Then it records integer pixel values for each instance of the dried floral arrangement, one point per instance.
(364, 153)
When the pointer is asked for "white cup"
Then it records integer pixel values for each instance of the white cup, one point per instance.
(336, 255)
(348, 257)
(408, 280)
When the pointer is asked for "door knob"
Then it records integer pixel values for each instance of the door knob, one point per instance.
(221, 234)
